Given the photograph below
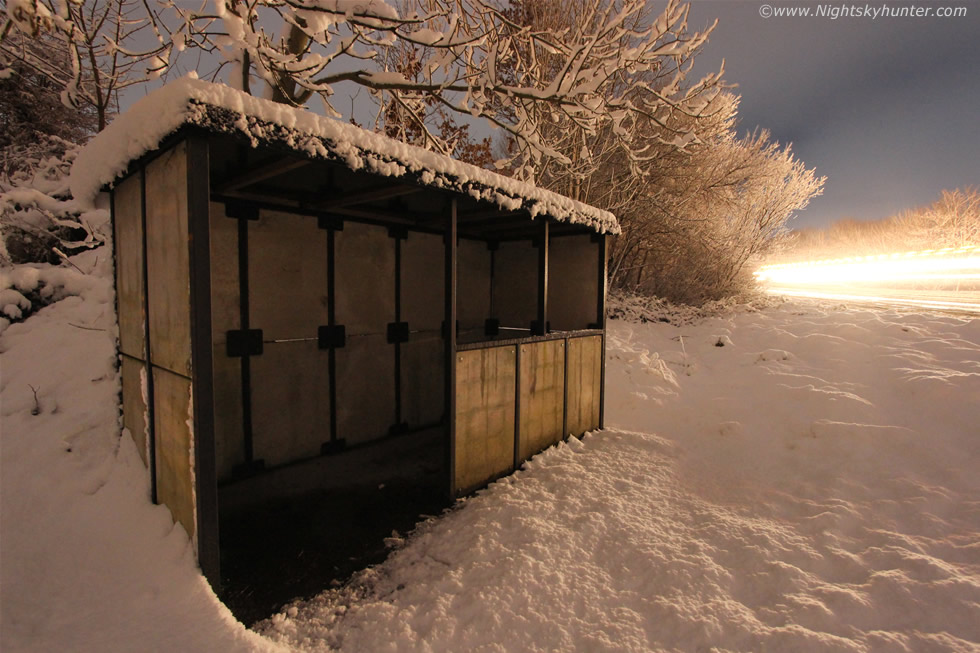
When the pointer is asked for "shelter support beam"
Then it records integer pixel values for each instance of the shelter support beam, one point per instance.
(450, 277)
(205, 471)
(603, 282)
(541, 323)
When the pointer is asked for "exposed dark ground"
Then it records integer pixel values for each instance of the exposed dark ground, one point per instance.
(294, 547)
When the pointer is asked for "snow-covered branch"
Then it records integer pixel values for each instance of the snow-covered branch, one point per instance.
(610, 66)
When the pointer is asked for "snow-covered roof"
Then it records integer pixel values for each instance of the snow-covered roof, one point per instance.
(190, 101)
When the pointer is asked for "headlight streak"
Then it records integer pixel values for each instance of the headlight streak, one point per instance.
(940, 279)
(935, 304)
(934, 265)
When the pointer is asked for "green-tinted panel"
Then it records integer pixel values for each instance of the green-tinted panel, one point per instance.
(423, 290)
(515, 284)
(229, 438)
(365, 268)
(423, 393)
(365, 388)
(225, 296)
(573, 280)
(473, 285)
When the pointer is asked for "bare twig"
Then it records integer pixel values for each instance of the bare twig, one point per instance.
(79, 326)
(37, 404)
(65, 258)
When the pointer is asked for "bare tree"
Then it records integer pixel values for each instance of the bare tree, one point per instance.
(109, 45)
(692, 237)
(951, 221)
(30, 100)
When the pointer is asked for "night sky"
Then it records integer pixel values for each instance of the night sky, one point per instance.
(888, 109)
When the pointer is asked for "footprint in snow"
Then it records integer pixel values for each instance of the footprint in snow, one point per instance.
(730, 428)
(773, 355)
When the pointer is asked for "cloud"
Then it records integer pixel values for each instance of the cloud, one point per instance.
(887, 109)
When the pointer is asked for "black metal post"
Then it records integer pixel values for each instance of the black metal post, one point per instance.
(603, 282)
(243, 291)
(398, 346)
(332, 322)
(517, 405)
(450, 347)
(541, 327)
(151, 436)
(205, 471)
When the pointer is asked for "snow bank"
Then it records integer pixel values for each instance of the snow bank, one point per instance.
(89, 564)
(46, 284)
(189, 101)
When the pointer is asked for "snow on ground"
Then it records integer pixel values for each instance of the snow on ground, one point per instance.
(799, 478)
(808, 485)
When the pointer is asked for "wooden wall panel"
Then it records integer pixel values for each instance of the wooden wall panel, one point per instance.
(290, 402)
(168, 261)
(515, 284)
(423, 394)
(365, 389)
(485, 392)
(229, 434)
(473, 295)
(423, 267)
(572, 282)
(542, 396)
(225, 316)
(584, 383)
(287, 275)
(225, 294)
(127, 199)
(174, 446)
(365, 268)
(134, 405)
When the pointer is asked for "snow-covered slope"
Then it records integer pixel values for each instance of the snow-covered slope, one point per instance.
(87, 563)
(811, 484)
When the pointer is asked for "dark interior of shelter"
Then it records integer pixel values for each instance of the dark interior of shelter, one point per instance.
(329, 293)
(339, 415)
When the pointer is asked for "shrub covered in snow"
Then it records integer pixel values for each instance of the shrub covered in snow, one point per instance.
(635, 307)
(39, 220)
(25, 289)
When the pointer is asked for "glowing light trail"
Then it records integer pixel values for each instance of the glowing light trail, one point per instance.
(934, 304)
(939, 279)
(932, 265)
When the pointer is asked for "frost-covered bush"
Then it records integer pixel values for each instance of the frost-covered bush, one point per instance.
(693, 237)
(951, 221)
(25, 289)
(39, 220)
(636, 307)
